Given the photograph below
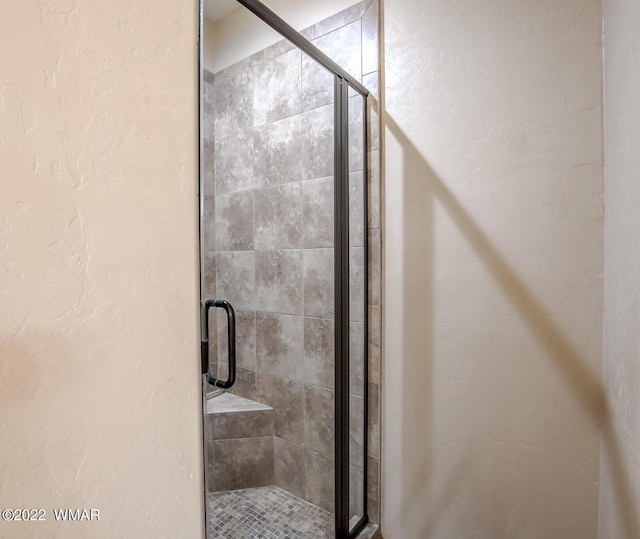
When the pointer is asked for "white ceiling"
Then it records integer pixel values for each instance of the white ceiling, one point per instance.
(216, 9)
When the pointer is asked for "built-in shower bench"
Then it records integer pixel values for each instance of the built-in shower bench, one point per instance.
(240, 441)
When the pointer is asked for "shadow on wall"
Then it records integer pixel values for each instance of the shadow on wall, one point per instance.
(20, 375)
(43, 423)
(41, 378)
(421, 189)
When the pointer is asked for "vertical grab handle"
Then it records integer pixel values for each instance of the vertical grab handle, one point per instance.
(231, 341)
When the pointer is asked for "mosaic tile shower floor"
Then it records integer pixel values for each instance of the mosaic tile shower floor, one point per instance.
(266, 513)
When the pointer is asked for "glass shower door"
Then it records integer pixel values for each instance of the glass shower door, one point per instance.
(268, 237)
(358, 315)
(284, 289)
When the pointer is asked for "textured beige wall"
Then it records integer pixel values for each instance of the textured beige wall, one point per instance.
(494, 260)
(620, 470)
(99, 385)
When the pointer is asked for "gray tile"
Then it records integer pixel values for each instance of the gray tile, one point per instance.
(356, 209)
(266, 512)
(245, 338)
(371, 82)
(208, 427)
(271, 52)
(356, 431)
(317, 84)
(356, 133)
(207, 76)
(243, 463)
(220, 371)
(356, 284)
(277, 149)
(375, 266)
(213, 352)
(319, 480)
(340, 19)
(373, 490)
(374, 344)
(278, 217)
(373, 123)
(276, 88)
(279, 343)
(309, 33)
(344, 47)
(210, 465)
(317, 137)
(236, 278)
(234, 221)
(318, 419)
(356, 358)
(318, 212)
(370, 531)
(374, 420)
(289, 466)
(209, 275)
(234, 163)
(317, 366)
(374, 189)
(318, 283)
(208, 111)
(279, 281)
(356, 494)
(209, 189)
(209, 223)
(245, 385)
(213, 349)
(370, 38)
(287, 399)
(242, 424)
(233, 100)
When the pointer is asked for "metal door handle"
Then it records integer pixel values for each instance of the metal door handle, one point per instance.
(231, 342)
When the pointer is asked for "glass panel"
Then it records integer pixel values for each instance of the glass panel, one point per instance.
(336, 31)
(357, 310)
(268, 238)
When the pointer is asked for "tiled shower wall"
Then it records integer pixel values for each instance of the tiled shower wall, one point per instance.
(268, 216)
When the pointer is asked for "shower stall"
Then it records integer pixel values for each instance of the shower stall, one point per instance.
(288, 140)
